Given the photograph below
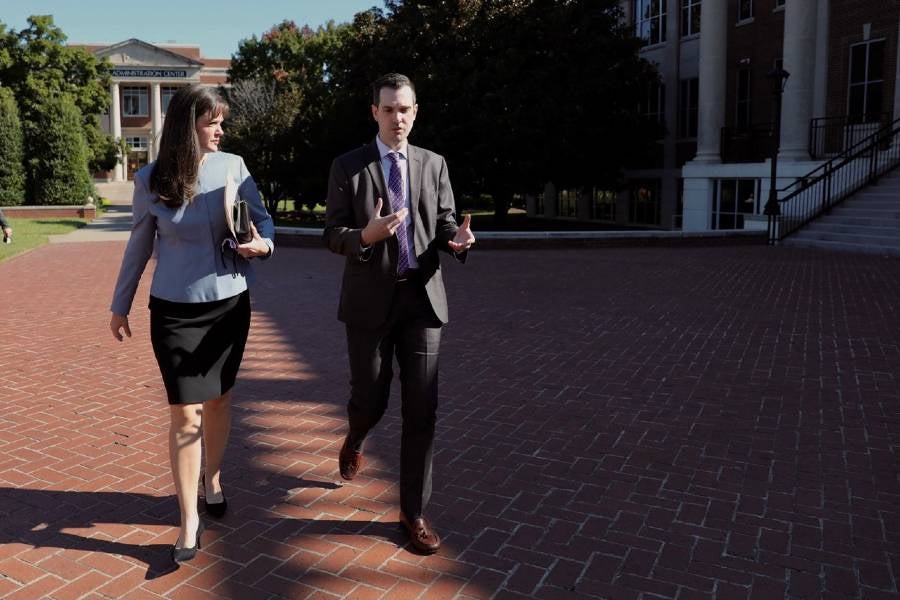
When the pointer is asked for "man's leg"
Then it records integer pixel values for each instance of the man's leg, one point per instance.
(371, 352)
(417, 353)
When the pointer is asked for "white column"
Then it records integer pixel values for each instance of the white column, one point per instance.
(820, 86)
(115, 122)
(799, 60)
(897, 83)
(155, 120)
(713, 49)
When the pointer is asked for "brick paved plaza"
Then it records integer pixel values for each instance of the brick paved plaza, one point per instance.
(620, 423)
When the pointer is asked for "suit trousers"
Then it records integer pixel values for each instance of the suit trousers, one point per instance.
(412, 333)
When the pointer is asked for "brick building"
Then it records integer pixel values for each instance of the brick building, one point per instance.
(144, 78)
(718, 104)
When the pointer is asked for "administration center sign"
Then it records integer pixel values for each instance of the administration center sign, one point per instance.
(149, 73)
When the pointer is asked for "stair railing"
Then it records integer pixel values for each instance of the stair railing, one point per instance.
(824, 187)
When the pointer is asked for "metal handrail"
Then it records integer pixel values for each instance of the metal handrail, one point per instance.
(827, 185)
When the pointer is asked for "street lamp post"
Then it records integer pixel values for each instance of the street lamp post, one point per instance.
(779, 79)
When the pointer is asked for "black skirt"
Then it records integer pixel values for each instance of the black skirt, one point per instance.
(199, 346)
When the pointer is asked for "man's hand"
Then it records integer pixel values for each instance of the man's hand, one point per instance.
(255, 247)
(381, 228)
(118, 322)
(7, 231)
(464, 237)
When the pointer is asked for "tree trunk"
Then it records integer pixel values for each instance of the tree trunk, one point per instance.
(502, 201)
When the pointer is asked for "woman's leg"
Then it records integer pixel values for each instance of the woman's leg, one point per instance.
(216, 425)
(184, 456)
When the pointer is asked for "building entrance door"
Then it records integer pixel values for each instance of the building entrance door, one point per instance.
(136, 160)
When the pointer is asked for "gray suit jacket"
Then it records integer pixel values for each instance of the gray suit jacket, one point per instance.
(190, 265)
(354, 186)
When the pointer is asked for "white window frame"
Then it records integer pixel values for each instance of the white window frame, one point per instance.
(166, 90)
(866, 83)
(687, 17)
(143, 101)
(137, 143)
(643, 25)
(749, 208)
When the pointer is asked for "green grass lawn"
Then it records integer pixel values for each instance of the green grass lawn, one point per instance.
(30, 233)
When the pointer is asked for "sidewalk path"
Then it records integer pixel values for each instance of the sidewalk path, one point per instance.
(690, 423)
(114, 225)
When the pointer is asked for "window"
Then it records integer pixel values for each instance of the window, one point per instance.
(653, 104)
(732, 200)
(166, 92)
(866, 81)
(603, 205)
(568, 203)
(687, 107)
(779, 3)
(136, 143)
(690, 17)
(134, 101)
(678, 217)
(745, 10)
(650, 21)
(743, 116)
(644, 203)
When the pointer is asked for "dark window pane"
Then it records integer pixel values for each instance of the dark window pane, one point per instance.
(685, 21)
(876, 61)
(873, 101)
(857, 102)
(746, 197)
(728, 203)
(695, 19)
(858, 63)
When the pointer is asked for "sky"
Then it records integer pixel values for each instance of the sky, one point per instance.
(216, 26)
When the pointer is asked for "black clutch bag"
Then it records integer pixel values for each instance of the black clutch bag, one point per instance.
(242, 222)
(237, 213)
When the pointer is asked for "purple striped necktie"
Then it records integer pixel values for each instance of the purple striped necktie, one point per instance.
(397, 193)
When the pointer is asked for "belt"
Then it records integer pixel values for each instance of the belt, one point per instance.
(408, 276)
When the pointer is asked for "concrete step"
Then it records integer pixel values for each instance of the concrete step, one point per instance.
(857, 221)
(825, 225)
(891, 241)
(848, 210)
(828, 245)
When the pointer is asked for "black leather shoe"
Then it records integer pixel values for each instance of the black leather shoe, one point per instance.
(422, 537)
(214, 509)
(180, 555)
(349, 461)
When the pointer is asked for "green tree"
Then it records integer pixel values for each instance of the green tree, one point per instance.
(259, 129)
(12, 169)
(58, 165)
(516, 93)
(294, 63)
(37, 65)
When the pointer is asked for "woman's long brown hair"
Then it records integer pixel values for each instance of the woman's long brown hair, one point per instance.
(175, 173)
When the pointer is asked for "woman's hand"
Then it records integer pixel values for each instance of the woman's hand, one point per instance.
(255, 247)
(117, 322)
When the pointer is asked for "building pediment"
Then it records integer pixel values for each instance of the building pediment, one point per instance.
(135, 53)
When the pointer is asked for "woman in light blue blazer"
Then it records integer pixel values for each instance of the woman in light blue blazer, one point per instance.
(199, 298)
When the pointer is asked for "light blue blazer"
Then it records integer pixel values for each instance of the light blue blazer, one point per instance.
(190, 265)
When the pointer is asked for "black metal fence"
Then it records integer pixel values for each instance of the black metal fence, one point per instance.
(747, 144)
(821, 189)
(831, 136)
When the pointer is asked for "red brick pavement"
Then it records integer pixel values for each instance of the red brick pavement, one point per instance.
(615, 423)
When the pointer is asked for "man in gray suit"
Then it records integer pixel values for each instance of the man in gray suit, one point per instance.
(390, 209)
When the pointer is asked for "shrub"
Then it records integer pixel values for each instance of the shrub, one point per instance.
(12, 168)
(58, 155)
